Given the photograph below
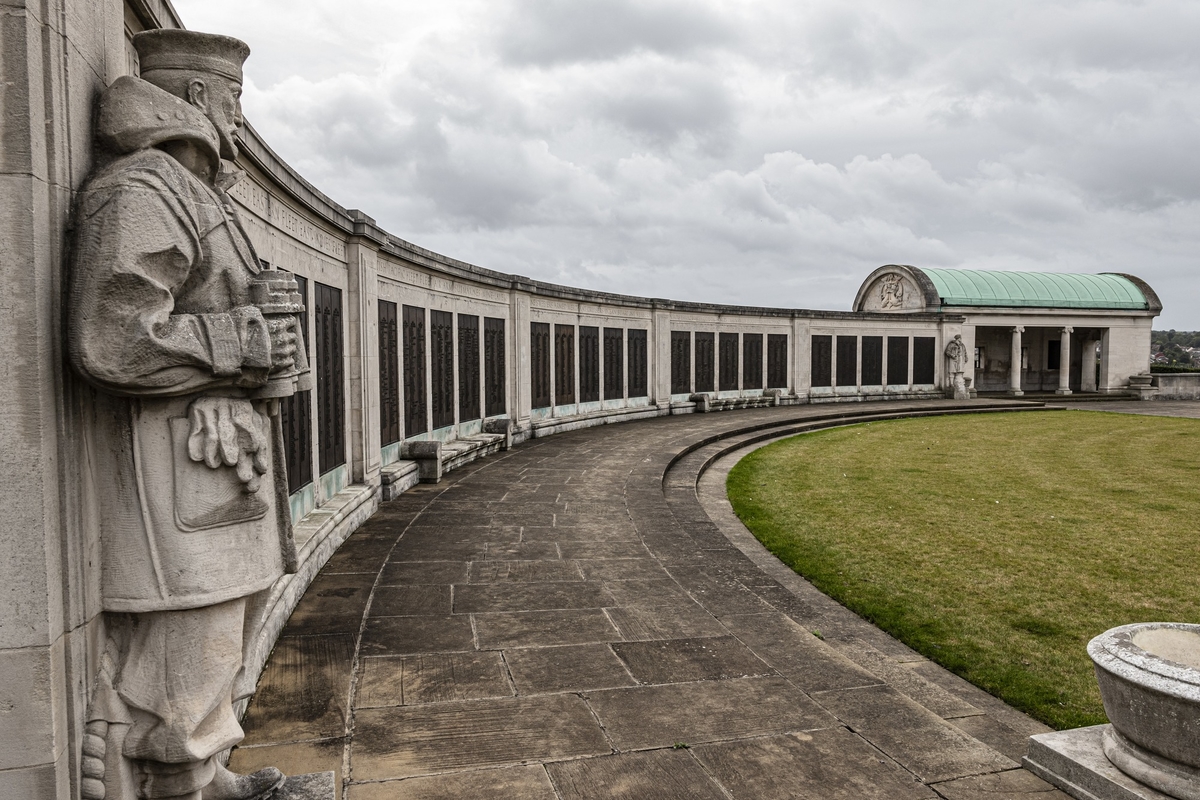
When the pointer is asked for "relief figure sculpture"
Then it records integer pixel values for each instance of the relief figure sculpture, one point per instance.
(188, 342)
(891, 291)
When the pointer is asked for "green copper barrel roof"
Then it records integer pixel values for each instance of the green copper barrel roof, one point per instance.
(960, 287)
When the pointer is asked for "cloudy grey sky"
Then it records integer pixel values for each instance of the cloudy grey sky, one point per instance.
(769, 152)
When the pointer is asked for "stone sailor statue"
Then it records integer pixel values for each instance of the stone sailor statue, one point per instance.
(956, 355)
(166, 322)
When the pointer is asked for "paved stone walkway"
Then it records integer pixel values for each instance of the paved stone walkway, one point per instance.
(1153, 408)
(571, 619)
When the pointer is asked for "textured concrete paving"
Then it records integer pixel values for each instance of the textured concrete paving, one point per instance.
(572, 619)
(1154, 408)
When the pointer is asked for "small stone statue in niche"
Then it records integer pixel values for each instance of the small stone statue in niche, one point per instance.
(956, 357)
(188, 342)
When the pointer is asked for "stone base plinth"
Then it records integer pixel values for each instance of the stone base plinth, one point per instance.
(1074, 761)
(313, 786)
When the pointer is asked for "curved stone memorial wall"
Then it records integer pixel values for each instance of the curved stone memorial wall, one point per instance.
(419, 363)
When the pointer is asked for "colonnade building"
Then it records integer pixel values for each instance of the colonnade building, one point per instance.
(421, 362)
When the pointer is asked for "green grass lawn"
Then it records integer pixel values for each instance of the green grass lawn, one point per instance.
(997, 545)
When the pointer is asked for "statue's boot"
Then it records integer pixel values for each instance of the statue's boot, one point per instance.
(228, 785)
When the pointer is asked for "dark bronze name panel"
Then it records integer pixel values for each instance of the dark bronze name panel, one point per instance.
(728, 366)
(681, 362)
(777, 360)
(639, 372)
(752, 360)
(822, 361)
(441, 367)
(539, 364)
(296, 416)
(705, 362)
(589, 364)
(331, 392)
(614, 363)
(494, 373)
(415, 408)
(389, 374)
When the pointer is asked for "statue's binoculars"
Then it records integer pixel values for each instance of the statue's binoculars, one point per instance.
(277, 296)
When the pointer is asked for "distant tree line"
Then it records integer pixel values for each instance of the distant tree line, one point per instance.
(1176, 347)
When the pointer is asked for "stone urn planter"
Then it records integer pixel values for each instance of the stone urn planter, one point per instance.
(1149, 675)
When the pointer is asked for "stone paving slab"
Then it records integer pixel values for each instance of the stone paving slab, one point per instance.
(665, 774)
(568, 619)
(829, 764)
(513, 783)
(401, 742)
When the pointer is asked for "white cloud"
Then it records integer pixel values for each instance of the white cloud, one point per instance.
(756, 152)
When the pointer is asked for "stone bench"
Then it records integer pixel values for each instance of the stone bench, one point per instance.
(707, 402)
(427, 461)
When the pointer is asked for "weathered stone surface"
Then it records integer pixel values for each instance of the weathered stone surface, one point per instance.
(1017, 784)
(432, 678)
(994, 733)
(27, 711)
(661, 774)
(419, 740)
(679, 660)
(423, 572)
(309, 786)
(295, 758)
(648, 594)
(915, 737)
(662, 716)
(543, 670)
(1074, 761)
(435, 549)
(807, 661)
(524, 571)
(1149, 677)
(907, 682)
(679, 622)
(303, 692)
(621, 569)
(596, 550)
(511, 783)
(522, 551)
(719, 594)
(409, 635)
(411, 601)
(830, 764)
(476, 598)
(544, 628)
(334, 603)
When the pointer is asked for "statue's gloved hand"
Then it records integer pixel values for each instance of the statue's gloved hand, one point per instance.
(227, 431)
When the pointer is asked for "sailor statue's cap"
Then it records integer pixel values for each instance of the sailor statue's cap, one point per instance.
(171, 48)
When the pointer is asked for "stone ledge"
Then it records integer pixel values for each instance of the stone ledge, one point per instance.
(1074, 761)
(553, 425)
(318, 536)
(397, 478)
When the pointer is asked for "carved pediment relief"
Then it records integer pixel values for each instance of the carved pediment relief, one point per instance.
(893, 291)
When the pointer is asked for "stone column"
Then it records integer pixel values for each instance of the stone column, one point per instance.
(801, 377)
(1014, 371)
(659, 348)
(362, 348)
(1087, 382)
(517, 343)
(1064, 362)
